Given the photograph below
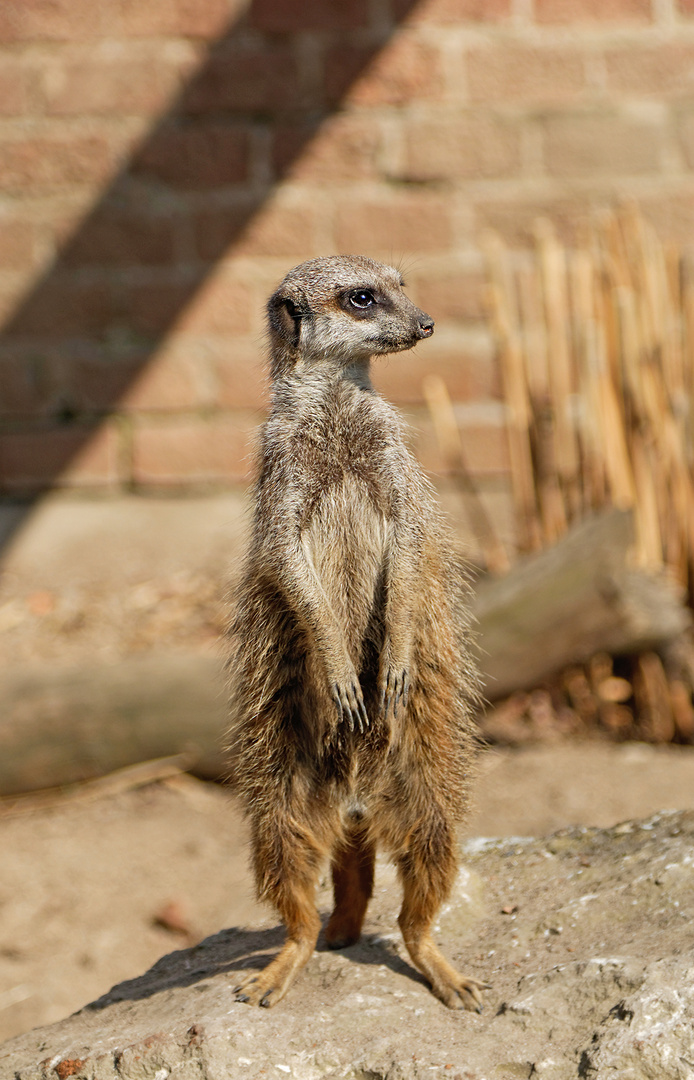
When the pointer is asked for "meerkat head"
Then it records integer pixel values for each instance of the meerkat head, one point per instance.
(344, 308)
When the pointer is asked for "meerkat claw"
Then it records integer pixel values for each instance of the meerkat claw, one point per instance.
(338, 702)
(405, 689)
(472, 990)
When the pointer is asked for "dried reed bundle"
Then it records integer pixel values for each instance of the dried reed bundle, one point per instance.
(596, 349)
(596, 345)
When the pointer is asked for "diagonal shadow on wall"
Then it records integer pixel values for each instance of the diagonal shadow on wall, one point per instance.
(190, 189)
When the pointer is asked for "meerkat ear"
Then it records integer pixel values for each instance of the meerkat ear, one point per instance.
(285, 313)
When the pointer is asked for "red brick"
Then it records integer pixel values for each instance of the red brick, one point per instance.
(220, 305)
(240, 373)
(59, 20)
(293, 16)
(461, 147)
(281, 229)
(174, 379)
(450, 293)
(151, 308)
(189, 18)
(240, 76)
(595, 144)
(485, 448)
(685, 134)
(17, 244)
(67, 456)
(515, 218)
(672, 215)
(393, 225)
(196, 157)
(344, 147)
(215, 231)
(88, 83)
(406, 69)
(28, 387)
(453, 11)
(16, 80)
(651, 72)
(64, 305)
(193, 450)
(270, 229)
(468, 367)
(40, 166)
(112, 237)
(94, 380)
(577, 11)
(526, 75)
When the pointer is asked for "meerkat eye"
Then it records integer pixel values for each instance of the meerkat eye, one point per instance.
(361, 298)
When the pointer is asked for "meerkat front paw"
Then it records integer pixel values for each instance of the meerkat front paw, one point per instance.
(395, 688)
(349, 702)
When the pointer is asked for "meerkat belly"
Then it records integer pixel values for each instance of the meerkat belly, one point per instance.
(346, 543)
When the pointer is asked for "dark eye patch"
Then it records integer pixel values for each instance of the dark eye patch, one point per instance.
(363, 303)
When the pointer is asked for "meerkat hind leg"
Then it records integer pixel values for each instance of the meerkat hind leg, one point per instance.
(290, 885)
(427, 879)
(353, 877)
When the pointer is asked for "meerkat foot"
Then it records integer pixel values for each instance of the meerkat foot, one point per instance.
(271, 984)
(343, 930)
(449, 986)
(465, 993)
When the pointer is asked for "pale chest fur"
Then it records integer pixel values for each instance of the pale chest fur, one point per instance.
(349, 468)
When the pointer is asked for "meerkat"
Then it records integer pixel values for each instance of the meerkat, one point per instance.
(353, 684)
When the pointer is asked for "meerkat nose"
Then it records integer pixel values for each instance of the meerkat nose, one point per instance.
(426, 327)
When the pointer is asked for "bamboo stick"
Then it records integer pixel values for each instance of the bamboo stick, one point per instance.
(584, 311)
(519, 414)
(451, 447)
(552, 258)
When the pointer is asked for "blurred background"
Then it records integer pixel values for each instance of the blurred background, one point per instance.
(529, 165)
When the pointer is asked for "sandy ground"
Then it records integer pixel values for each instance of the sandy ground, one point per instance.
(94, 888)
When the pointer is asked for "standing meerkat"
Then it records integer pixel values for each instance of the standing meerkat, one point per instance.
(351, 672)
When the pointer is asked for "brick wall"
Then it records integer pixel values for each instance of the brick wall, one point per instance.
(163, 162)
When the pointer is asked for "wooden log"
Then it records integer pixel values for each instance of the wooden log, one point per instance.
(652, 695)
(62, 725)
(59, 726)
(682, 709)
(563, 605)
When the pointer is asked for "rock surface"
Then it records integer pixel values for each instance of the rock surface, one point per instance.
(585, 935)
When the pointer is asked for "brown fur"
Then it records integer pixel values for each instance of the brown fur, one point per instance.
(352, 681)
